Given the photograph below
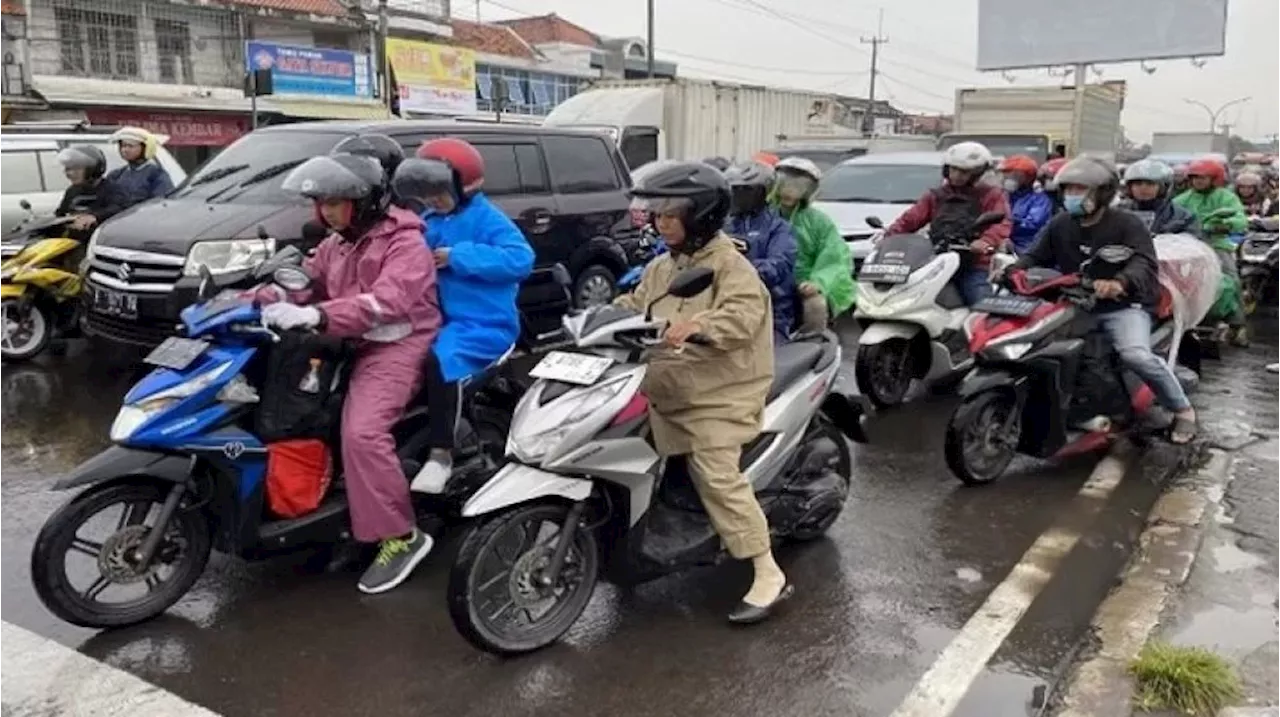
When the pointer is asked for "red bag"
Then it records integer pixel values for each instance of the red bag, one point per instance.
(298, 475)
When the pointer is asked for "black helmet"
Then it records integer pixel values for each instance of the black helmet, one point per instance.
(749, 183)
(417, 179)
(720, 163)
(696, 190)
(86, 157)
(343, 176)
(387, 151)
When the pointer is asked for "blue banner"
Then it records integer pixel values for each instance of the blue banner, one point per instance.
(310, 70)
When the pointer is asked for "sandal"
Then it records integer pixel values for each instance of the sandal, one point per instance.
(1183, 431)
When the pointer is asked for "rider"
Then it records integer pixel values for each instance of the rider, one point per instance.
(1206, 197)
(1249, 189)
(824, 268)
(1126, 293)
(374, 283)
(141, 178)
(951, 209)
(1148, 182)
(769, 243)
(1048, 184)
(706, 401)
(90, 198)
(1031, 209)
(481, 257)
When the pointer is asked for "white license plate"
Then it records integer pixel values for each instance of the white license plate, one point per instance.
(580, 369)
(115, 303)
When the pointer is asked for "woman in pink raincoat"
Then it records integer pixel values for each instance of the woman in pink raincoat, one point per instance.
(375, 281)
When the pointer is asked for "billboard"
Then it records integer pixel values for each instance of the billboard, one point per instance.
(434, 79)
(311, 71)
(1018, 34)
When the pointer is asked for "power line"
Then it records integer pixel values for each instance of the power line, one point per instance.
(765, 68)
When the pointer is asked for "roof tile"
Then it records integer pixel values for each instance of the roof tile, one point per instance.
(490, 38)
(308, 7)
(551, 28)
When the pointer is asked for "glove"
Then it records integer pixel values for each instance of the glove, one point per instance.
(291, 316)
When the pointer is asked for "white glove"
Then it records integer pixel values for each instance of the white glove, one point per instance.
(291, 316)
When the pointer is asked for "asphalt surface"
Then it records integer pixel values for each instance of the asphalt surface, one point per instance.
(910, 560)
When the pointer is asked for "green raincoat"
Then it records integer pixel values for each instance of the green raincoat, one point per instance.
(822, 257)
(1217, 231)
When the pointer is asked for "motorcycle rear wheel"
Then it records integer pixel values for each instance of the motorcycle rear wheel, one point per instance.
(978, 429)
(884, 371)
(38, 325)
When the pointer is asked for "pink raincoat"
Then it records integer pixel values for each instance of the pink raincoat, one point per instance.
(382, 289)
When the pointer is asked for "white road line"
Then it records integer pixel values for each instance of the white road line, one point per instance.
(940, 690)
(44, 679)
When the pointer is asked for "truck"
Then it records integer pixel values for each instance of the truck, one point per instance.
(1190, 143)
(1040, 121)
(686, 118)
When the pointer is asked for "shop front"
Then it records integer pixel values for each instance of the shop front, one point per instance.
(193, 136)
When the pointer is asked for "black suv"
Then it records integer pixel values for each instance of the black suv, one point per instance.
(566, 189)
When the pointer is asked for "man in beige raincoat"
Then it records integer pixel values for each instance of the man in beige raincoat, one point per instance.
(707, 399)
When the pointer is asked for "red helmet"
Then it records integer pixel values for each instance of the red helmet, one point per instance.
(1049, 169)
(461, 156)
(1019, 163)
(1208, 167)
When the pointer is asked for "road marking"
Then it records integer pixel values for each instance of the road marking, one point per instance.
(44, 679)
(940, 690)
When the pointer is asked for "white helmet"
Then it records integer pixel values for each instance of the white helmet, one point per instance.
(968, 156)
(801, 166)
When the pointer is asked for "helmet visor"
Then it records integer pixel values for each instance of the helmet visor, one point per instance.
(794, 186)
(321, 178)
(654, 207)
(423, 182)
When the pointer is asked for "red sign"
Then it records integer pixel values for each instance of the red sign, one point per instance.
(185, 129)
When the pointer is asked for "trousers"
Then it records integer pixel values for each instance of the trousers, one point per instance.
(814, 314)
(730, 501)
(446, 404)
(1129, 330)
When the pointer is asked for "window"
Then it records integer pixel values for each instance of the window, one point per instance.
(533, 171)
(21, 172)
(173, 52)
(97, 44)
(331, 39)
(252, 169)
(501, 176)
(878, 183)
(580, 164)
(55, 180)
(639, 146)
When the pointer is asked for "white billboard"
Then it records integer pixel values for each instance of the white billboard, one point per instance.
(1017, 34)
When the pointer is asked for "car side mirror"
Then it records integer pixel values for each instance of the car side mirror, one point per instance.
(987, 219)
(874, 222)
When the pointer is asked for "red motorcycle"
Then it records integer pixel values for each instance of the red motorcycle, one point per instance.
(1046, 383)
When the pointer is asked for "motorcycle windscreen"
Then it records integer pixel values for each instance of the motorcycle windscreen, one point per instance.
(895, 257)
(1190, 272)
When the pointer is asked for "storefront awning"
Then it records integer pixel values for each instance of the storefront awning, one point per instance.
(316, 109)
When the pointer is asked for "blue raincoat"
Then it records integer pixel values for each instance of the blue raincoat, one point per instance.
(771, 247)
(142, 181)
(488, 258)
(1031, 211)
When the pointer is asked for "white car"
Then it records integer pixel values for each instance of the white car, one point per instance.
(879, 185)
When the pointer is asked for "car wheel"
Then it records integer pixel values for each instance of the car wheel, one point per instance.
(596, 285)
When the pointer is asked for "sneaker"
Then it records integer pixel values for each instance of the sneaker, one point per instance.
(434, 474)
(1240, 337)
(396, 559)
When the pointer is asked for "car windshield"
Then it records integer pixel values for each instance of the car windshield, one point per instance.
(878, 183)
(1002, 145)
(824, 158)
(252, 168)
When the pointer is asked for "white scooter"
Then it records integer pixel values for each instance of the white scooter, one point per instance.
(585, 495)
(911, 312)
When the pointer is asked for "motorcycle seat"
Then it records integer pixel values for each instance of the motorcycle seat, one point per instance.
(790, 362)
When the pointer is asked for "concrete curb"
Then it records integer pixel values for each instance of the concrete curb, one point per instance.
(1126, 618)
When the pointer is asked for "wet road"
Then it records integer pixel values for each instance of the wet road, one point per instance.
(911, 559)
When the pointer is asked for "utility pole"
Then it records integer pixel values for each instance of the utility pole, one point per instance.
(384, 62)
(869, 117)
(649, 42)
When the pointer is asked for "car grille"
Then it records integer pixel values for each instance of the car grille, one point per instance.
(130, 270)
(139, 332)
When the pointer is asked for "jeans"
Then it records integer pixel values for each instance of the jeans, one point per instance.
(1129, 330)
(975, 285)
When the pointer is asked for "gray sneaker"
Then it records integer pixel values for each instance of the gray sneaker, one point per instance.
(396, 559)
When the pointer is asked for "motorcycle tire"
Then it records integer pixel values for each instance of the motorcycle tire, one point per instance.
(965, 422)
(58, 537)
(826, 509)
(470, 615)
(42, 332)
(869, 363)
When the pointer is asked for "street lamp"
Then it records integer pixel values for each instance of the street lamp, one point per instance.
(1213, 114)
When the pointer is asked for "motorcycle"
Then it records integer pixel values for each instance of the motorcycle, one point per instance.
(586, 495)
(1257, 258)
(39, 286)
(1046, 382)
(912, 313)
(183, 441)
(649, 246)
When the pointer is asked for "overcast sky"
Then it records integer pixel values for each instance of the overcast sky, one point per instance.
(931, 51)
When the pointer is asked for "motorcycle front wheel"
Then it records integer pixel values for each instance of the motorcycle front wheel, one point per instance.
(497, 599)
(884, 371)
(982, 437)
(127, 511)
(26, 331)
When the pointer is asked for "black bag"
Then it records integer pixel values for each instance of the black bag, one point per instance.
(304, 387)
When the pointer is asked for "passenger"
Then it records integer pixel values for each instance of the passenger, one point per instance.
(141, 178)
(706, 401)
(1048, 184)
(1127, 293)
(375, 282)
(951, 209)
(1031, 209)
(90, 198)
(768, 241)
(1220, 214)
(481, 257)
(1149, 182)
(1253, 197)
(824, 268)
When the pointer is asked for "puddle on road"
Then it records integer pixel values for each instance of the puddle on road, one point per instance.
(1228, 629)
(1228, 558)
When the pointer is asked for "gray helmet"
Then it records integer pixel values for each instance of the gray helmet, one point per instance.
(749, 174)
(86, 157)
(1149, 170)
(1096, 173)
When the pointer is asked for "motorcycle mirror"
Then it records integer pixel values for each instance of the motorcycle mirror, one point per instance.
(206, 283)
(691, 282)
(874, 222)
(292, 278)
(987, 219)
(24, 204)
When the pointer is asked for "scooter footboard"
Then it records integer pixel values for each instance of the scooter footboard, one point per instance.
(517, 483)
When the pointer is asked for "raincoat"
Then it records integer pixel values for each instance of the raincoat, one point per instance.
(141, 181)
(822, 257)
(706, 397)
(380, 288)
(1166, 218)
(1203, 204)
(771, 248)
(1031, 210)
(488, 258)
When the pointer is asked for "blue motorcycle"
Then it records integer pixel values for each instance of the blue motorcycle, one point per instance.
(186, 473)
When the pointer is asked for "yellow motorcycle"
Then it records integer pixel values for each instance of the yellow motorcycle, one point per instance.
(39, 288)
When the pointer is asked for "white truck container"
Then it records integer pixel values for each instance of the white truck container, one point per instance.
(1190, 143)
(1038, 121)
(693, 119)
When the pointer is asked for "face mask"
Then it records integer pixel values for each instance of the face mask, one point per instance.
(1011, 185)
(1074, 204)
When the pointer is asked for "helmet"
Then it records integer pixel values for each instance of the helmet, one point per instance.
(1248, 179)
(768, 159)
(749, 183)
(462, 157)
(353, 177)
(150, 142)
(1050, 169)
(799, 165)
(797, 178)
(387, 151)
(696, 190)
(720, 163)
(86, 157)
(1019, 163)
(417, 179)
(1097, 174)
(1208, 167)
(1149, 170)
(968, 156)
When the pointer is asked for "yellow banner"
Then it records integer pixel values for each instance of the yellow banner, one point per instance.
(423, 64)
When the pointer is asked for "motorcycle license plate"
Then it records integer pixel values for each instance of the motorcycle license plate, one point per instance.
(115, 303)
(176, 353)
(884, 273)
(1007, 305)
(580, 369)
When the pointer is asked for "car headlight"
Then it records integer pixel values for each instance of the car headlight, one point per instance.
(563, 416)
(224, 257)
(133, 415)
(88, 252)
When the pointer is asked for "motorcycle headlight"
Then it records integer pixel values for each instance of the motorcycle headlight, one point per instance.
(1011, 351)
(224, 257)
(133, 415)
(563, 416)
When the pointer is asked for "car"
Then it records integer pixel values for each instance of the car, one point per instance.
(880, 185)
(824, 156)
(565, 188)
(29, 164)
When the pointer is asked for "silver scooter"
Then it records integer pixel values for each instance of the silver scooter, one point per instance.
(585, 496)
